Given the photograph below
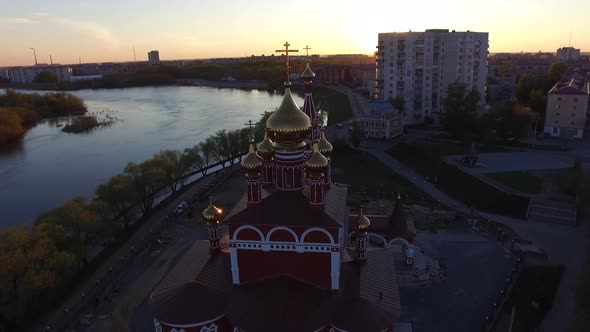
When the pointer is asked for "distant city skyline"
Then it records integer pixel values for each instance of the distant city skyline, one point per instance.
(109, 30)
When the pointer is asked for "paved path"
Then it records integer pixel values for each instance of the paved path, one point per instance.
(518, 161)
(59, 318)
(564, 244)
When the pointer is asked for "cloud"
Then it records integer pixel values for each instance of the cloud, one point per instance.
(40, 14)
(91, 29)
(16, 20)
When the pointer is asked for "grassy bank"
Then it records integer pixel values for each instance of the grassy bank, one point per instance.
(334, 102)
(522, 181)
(366, 174)
(426, 160)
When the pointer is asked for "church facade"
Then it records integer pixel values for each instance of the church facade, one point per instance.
(285, 263)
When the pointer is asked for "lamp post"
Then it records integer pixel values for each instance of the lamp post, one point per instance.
(34, 54)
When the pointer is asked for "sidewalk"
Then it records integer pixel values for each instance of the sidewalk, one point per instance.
(564, 244)
(91, 291)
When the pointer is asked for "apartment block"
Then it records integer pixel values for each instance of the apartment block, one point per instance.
(419, 66)
(568, 104)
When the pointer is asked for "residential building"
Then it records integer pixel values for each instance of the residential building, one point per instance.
(153, 58)
(28, 74)
(381, 121)
(567, 109)
(419, 66)
(568, 54)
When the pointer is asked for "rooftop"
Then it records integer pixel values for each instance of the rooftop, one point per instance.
(571, 87)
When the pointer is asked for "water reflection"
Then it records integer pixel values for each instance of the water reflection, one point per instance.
(49, 166)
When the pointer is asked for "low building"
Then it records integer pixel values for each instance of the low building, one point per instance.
(28, 74)
(567, 109)
(381, 121)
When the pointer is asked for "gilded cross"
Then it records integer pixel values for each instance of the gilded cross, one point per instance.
(250, 125)
(287, 51)
(307, 48)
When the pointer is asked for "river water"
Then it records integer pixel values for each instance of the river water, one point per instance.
(50, 166)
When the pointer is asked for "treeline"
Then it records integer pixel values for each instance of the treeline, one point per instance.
(41, 262)
(21, 111)
(272, 72)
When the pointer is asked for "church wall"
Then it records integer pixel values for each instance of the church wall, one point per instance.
(221, 324)
(310, 267)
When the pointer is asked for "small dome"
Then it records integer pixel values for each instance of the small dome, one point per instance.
(251, 161)
(316, 161)
(212, 213)
(326, 147)
(362, 223)
(266, 148)
(307, 74)
(288, 126)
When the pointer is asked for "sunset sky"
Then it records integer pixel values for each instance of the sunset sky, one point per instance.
(107, 30)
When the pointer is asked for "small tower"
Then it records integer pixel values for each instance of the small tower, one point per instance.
(252, 165)
(309, 110)
(266, 151)
(315, 167)
(211, 216)
(361, 225)
(326, 149)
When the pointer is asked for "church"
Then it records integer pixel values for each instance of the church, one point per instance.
(287, 262)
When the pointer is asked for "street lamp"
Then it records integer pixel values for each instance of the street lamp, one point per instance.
(34, 54)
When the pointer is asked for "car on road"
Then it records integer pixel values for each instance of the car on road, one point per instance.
(180, 208)
(339, 125)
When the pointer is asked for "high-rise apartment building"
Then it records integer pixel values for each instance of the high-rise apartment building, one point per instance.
(568, 104)
(154, 57)
(419, 66)
(568, 54)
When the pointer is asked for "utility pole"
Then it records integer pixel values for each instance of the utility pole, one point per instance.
(535, 131)
(134, 59)
(35, 55)
(50, 59)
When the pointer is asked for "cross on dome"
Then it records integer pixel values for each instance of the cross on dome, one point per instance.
(287, 64)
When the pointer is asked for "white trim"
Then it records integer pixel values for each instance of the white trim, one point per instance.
(398, 239)
(385, 244)
(335, 269)
(316, 229)
(235, 269)
(278, 228)
(196, 324)
(211, 328)
(235, 236)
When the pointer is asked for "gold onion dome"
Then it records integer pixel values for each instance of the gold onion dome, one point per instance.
(316, 161)
(325, 146)
(307, 74)
(266, 147)
(362, 223)
(251, 161)
(288, 126)
(212, 213)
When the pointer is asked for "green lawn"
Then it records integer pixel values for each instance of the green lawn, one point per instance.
(365, 173)
(522, 181)
(424, 158)
(334, 102)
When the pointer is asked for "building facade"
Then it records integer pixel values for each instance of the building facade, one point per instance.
(154, 57)
(420, 66)
(567, 109)
(568, 54)
(381, 121)
(28, 74)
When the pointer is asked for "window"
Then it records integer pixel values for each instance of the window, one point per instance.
(556, 122)
(555, 130)
(573, 115)
(558, 99)
(575, 100)
(575, 108)
(572, 123)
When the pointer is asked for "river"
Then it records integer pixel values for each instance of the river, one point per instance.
(49, 166)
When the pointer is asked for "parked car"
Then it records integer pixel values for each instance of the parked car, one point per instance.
(339, 125)
(180, 208)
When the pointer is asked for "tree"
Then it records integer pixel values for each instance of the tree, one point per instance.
(175, 166)
(236, 144)
(10, 125)
(14, 260)
(357, 134)
(222, 146)
(119, 198)
(556, 71)
(194, 159)
(398, 103)
(460, 105)
(208, 150)
(45, 76)
(148, 179)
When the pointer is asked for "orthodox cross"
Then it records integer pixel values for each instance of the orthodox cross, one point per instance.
(286, 51)
(250, 125)
(307, 48)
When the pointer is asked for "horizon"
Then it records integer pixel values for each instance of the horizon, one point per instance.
(110, 31)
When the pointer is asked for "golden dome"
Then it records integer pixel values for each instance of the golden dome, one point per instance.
(288, 126)
(307, 74)
(316, 161)
(362, 223)
(325, 146)
(266, 148)
(251, 161)
(212, 213)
